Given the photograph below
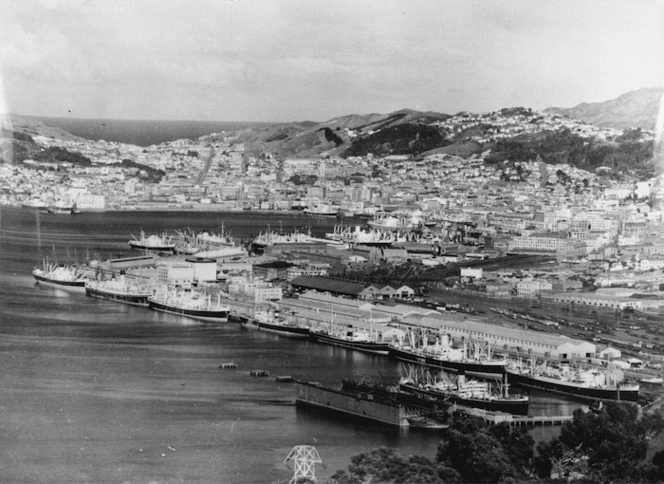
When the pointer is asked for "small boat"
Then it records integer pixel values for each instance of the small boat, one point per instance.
(70, 278)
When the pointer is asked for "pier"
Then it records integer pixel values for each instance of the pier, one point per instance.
(514, 420)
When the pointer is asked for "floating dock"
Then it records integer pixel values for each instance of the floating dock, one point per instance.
(383, 406)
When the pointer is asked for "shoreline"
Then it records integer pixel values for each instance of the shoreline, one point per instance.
(206, 209)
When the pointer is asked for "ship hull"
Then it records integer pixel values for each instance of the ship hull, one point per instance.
(290, 331)
(569, 389)
(475, 368)
(366, 346)
(132, 299)
(217, 316)
(515, 406)
(73, 286)
(157, 248)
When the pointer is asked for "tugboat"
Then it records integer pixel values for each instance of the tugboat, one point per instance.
(70, 278)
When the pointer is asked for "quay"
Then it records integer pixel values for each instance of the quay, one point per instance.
(514, 420)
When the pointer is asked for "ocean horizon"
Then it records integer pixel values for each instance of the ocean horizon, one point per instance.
(144, 132)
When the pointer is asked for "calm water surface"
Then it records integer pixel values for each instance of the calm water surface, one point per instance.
(94, 391)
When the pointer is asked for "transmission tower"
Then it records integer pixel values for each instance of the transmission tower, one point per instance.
(302, 461)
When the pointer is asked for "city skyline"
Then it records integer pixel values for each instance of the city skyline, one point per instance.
(296, 60)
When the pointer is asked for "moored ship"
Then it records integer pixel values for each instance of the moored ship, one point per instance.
(191, 304)
(351, 338)
(70, 278)
(573, 381)
(466, 392)
(472, 358)
(119, 290)
(274, 323)
(153, 242)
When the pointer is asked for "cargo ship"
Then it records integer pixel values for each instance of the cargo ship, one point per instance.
(590, 384)
(384, 404)
(153, 242)
(465, 392)
(473, 358)
(119, 290)
(349, 337)
(70, 278)
(275, 323)
(190, 304)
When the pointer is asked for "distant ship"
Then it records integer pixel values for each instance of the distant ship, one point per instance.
(153, 242)
(35, 203)
(70, 278)
(269, 239)
(322, 209)
(191, 304)
(356, 235)
(119, 290)
(473, 358)
(573, 381)
(192, 243)
(62, 208)
(465, 392)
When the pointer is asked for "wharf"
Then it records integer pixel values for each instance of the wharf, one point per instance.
(515, 420)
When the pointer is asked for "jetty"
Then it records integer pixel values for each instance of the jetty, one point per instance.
(514, 420)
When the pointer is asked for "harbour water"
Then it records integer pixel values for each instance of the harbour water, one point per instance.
(95, 391)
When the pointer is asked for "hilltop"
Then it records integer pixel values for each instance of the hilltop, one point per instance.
(635, 109)
(341, 136)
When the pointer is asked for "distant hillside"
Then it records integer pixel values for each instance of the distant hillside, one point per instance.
(403, 131)
(635, 109)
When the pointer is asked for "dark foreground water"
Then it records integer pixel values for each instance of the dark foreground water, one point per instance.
(93, 391)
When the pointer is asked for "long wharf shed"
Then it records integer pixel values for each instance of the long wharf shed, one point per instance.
(516, 341)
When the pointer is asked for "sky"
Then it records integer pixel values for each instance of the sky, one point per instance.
(296, 60)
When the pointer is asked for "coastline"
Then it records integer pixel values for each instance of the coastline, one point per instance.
(200, 208)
